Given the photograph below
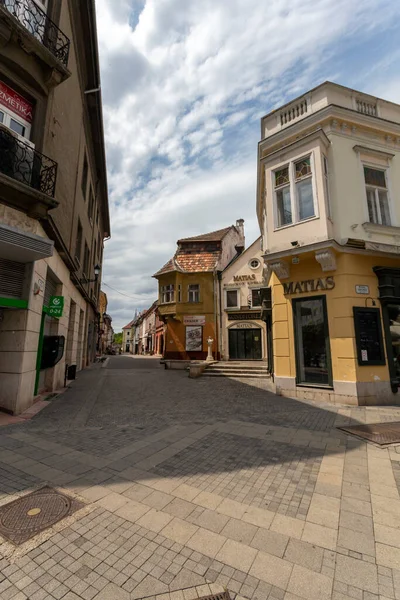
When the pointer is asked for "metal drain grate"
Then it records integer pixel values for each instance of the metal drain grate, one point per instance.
(27, 516)
(379, 433)
(221, 596)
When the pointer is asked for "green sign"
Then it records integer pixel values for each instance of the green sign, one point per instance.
(56, 306)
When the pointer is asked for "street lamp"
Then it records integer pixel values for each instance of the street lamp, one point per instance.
(97, 270)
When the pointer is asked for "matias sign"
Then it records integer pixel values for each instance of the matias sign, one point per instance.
(309, 285)
(251, 277)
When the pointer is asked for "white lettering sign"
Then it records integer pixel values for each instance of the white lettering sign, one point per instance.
(194, 320)
(362, 289)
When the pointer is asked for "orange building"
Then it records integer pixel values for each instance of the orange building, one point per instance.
(189, 291)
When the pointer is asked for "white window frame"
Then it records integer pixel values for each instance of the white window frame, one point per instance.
(251, 290)
(168, 290)
(237, 290)
(258, 265)
(385, 169)
(8, 115)
(191, 294)
(325, 173)
(294, 201)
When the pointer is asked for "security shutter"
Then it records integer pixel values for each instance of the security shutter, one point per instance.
(11, 278)
(50, 289)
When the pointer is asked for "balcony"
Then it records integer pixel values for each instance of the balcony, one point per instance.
(27, 177)
(38, 24)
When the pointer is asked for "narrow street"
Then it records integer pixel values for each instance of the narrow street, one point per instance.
(184, 488)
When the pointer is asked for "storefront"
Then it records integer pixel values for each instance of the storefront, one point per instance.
(243, 328)
(336, 326)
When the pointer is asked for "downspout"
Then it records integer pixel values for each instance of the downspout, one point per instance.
(217, 341)
(219, 274)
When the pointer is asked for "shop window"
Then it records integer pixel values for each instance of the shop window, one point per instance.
(313, 362)
(255, 298)
(377, 196)
(193, 292)
(84, 176)
(167, 294)
(232, 299)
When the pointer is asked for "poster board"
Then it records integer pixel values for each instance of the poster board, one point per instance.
(194, 338)
(369, 341)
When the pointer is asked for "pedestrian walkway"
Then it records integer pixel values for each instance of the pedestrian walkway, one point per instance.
(190, 487)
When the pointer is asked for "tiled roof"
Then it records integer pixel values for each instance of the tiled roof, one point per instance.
(213, 236)
(129, 325)
(167, 268)
(201, 261)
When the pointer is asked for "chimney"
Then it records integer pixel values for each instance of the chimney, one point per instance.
(240, 228)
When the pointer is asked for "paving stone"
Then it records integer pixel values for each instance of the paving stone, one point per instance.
(209, 519)
(388, 556)
(206, 542)
(270, 542)
(304, 554)
(287, 526)
(237, 555)
(320, 536)
(356, 522)
(310, 585)
(179, 508)
(357, 573)
(179, 530)
(112, 592)
(358, 542)
(271, 569)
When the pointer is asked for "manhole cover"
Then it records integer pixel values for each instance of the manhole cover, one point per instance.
(221, 596)
(24, 518)
(380, 433)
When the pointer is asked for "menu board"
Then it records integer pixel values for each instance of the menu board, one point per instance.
(369, 341)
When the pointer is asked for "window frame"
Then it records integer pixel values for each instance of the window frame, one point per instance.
(84, 176)
(258, 263)
(194, 292)
(168, 289)
(367, 186)
(325, 174)
(6, 122)
(294, 198)
(237, 290)
(256, 289)
(78, 255)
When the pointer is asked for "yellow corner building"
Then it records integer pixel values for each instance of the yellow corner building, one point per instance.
(329, 212)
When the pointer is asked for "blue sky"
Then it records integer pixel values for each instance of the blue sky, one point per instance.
(185, 84)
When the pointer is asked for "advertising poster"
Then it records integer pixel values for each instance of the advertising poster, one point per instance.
(194, 339)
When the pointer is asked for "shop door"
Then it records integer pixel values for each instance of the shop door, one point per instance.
(245, 344)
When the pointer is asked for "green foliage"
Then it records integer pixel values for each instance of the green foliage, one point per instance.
(118, 338)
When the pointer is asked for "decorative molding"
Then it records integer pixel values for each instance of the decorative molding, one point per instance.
(373, 151)
(266, 273)
(281, 269)
(390, 230)
(326, 259)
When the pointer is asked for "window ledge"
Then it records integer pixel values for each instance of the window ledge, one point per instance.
(296, 223)
(382, 229)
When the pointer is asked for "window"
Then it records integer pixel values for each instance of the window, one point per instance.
(232, 299)
(326, 186)
(86, 261)
(193, 292)
(179, 293)
(94, 253)
(254, 263)
(377, 196)
(91, 203)
(282, 192)
(167, 294)
(255, 298)
(1, 116)
(84, 176)
(78, 244)
(304, 193)
(313, 363)
(98, 244)
(17, 127)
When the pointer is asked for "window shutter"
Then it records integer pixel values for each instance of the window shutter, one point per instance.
(50, 289)
(11, 278)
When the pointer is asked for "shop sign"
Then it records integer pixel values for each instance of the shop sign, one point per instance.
(250, 278)
(362, 289)
(243, 316)
(309, 285)
(245, 326)
(194, 320)
(56, 306)
(15, 102)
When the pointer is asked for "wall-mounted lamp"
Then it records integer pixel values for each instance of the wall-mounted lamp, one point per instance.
(97, 270)
(294, 244)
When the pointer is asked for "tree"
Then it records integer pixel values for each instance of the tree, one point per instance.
(118, 338)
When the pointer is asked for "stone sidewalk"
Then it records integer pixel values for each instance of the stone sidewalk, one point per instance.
(196, 486)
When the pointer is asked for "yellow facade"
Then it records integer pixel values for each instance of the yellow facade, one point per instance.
(174, 313)
(352, 383)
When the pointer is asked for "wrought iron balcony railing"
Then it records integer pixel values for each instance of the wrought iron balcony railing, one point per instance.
(21, 162)
(35, 20)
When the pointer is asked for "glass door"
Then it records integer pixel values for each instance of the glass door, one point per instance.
(313, 360)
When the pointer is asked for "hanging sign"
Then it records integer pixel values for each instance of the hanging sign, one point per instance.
(56, 306)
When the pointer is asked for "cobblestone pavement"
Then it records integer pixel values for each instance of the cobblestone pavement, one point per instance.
(195, 486)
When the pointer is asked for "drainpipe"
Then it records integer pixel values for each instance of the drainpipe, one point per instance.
(219, 275)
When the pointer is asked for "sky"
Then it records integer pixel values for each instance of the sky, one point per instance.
(184, 85)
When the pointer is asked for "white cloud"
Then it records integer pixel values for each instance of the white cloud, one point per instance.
(184, 85)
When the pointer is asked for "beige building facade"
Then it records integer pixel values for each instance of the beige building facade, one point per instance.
(53, 196)
(243, 332)
(328, 209)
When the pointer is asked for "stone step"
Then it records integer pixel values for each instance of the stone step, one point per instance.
(237, 370)
(243, 375)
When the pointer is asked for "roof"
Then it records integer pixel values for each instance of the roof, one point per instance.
(167, 268)
(201, 261)
(213, 236)
(129, 325)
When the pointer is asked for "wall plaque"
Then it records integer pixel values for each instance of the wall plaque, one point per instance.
(369, 341)
(362, 289)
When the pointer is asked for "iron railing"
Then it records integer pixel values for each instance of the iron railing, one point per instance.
(35, 20)
(21, 162)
